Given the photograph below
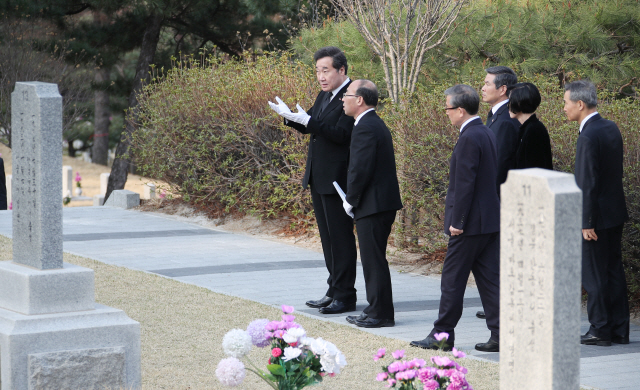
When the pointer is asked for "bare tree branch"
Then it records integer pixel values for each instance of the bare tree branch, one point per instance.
(400, 32)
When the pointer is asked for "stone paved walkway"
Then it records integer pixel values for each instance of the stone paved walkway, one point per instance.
(254, 269)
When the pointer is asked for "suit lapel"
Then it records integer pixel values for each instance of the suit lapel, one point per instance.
(497, 114)
(334, 103)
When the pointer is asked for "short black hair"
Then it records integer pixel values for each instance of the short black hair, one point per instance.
(504, 76)
(337, 55)
(583, 90)
(369, 92)
(465, 97)
(524, 98)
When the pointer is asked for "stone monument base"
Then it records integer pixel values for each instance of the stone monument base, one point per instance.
(92, 349)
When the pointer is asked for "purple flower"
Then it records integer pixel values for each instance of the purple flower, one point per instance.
(406, 375)
(391, 382)
(441, 336)
(442, 361)
(382, 376)
(395, 367)
(288, 318)
(426, 374)
(379, 355)
(78, 177)
(271, 326)
(399, 354)
(417, 363)
(431, 385)
(230, 372)
(258, 332)
(278, 333)
(163, 194)
(287, 309)
(458, 354)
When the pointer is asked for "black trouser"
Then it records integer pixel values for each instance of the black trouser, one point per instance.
(373, 233)
(479, 254)
(338, 245)
(604, 280)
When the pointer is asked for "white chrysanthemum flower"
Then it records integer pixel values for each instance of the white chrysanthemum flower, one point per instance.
(230, 372)
(236, 343)
(291, 353)
(307, 341)
(293, 335)
(331, 358)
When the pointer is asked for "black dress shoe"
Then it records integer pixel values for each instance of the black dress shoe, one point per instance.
(431, 343)
(337, 307)
(374, 323)
(490, 346)
(589, 339)
(620, 339)
(352, 319)
(323, 302)
(480, 314)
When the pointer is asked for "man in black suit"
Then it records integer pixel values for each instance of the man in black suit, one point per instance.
(599, 155)
(3, 187)
(505, 128)
(472, 219)
(327, 161)
(372, 198)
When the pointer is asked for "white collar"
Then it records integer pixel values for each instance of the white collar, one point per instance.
(467, 122)
(498, 105)
(335, 91)
(361, 115)
(586, 119)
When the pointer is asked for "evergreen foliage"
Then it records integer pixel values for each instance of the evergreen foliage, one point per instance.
(595, 39)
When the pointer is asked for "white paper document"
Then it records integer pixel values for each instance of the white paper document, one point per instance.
(343, 196)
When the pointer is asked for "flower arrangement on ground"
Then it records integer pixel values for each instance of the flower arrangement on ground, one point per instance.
(446, 374)
(296, 360)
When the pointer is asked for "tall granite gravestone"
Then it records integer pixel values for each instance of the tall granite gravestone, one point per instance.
(540, 274)
(52, 333)
(67, 181)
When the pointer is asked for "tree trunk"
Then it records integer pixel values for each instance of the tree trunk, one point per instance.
(101, 117)
(120, 168)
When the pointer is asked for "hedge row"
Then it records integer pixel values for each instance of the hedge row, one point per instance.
(206, 129)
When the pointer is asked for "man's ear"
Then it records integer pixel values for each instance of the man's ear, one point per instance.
(503, 90)
(581, 105)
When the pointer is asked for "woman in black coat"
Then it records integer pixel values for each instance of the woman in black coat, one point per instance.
(534, 150)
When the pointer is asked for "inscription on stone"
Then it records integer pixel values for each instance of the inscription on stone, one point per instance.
(540, 281)
(36, 120)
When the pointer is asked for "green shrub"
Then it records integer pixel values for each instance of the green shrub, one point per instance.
(208, 131)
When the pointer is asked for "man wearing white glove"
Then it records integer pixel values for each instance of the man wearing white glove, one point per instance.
(372, 199)
(330, 131)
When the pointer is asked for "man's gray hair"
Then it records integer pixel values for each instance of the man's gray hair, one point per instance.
(583, 90)
(504, 76)
(464, 96)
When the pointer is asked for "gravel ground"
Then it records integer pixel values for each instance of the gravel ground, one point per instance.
(183, 326)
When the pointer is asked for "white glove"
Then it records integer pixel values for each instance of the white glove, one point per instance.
(300, 117)
(348, 208)
(280, 108)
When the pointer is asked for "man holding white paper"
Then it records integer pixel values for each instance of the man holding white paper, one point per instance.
(372, 199)
(330, 131)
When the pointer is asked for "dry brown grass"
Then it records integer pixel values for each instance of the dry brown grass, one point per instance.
(183, 326)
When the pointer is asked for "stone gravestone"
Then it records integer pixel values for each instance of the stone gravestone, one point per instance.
(67, 181)
(52, 333)
(540, 276)
(149, 191)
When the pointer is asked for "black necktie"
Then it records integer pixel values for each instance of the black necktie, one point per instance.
(325, 102)
(489, 115)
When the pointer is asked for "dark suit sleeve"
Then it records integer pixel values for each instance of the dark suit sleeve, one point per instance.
(466, 171)
(538, 149)
(361, 162)
(507, 142)
(3, 187)
(339, 133)
(587, 180)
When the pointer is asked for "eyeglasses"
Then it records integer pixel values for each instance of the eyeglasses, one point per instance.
(450, 108)
(345, 95)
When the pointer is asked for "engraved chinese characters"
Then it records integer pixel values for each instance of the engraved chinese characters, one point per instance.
(540, 265)
(36, 120)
